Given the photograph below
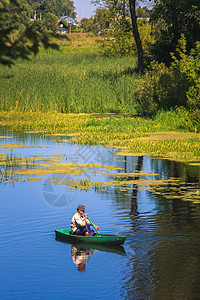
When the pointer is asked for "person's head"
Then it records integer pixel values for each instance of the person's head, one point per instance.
(81, 209)
(81, 267)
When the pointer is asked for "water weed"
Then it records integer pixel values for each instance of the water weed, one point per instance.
(137, 135)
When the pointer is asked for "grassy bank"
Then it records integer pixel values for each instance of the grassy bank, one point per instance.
(77, 79)
(97, 93)
(162, 136)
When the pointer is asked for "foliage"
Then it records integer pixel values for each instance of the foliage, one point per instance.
(68, 8)
(171, 19)
(121, 10)
(117, 29)
(88, 26)
(145, 31)
(51, 22)
(56, 7)
(156, 89)
(119, 38)
(162, 87)
(102, 20)
(19, 37)
(189, 67)
(115, 7)
(143, 12)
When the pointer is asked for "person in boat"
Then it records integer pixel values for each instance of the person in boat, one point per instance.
(79, 224)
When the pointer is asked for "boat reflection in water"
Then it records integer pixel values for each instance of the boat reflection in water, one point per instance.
(82, 252)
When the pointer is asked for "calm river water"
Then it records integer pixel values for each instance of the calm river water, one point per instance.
(156, 205)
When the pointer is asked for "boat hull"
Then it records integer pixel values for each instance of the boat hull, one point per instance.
(106, 239)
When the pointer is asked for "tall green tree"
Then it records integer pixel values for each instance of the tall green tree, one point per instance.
(132, 4)
(68, 8)
(56, 7)
(88, 25)
(102, 20)
(125, 8)
(19, 36)
(171, 19)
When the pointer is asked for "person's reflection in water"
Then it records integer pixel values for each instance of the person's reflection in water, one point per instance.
(81, 256)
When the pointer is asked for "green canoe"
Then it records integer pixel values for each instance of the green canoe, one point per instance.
(98, 238)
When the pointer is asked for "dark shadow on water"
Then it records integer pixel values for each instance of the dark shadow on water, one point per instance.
(117, 249)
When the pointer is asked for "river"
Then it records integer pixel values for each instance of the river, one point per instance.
(155, 202)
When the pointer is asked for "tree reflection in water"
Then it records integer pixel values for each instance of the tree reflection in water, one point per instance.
(167, 261)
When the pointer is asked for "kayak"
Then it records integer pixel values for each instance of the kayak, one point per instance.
(98, 238)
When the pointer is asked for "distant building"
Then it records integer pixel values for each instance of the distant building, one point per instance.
(65, 24)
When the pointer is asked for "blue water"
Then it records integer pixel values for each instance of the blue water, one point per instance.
(162, 250)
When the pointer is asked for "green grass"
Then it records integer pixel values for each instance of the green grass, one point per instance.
(69, 81)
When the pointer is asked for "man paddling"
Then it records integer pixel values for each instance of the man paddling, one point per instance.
(79, 224)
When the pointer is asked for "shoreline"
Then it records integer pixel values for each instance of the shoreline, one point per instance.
(134, 135)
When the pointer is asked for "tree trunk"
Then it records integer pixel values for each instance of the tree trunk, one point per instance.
(137, 37)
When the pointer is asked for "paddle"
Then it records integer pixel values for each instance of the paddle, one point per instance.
(93, 225)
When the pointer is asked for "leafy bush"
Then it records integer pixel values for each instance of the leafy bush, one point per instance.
(189, 65)
(156, 89)
(179, 85)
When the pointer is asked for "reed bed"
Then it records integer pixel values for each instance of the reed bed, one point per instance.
(76, 82)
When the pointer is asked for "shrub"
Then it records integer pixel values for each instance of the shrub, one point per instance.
(156, 89)
(179, 85)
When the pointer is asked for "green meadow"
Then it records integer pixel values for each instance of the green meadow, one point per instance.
(76, 79)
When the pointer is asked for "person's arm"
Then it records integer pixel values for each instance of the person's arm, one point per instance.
(88, 222)
(97, 227)
(85, 218)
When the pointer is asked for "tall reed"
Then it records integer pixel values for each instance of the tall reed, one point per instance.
(69, 82)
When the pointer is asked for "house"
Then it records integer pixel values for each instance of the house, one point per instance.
(65, 24)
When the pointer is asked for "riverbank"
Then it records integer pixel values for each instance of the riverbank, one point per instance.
(164, 136)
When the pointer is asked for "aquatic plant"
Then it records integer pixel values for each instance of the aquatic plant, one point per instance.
(72, 82)
(10, 165)
(162, 136)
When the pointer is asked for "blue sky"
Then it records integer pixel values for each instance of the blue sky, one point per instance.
(84, 8)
